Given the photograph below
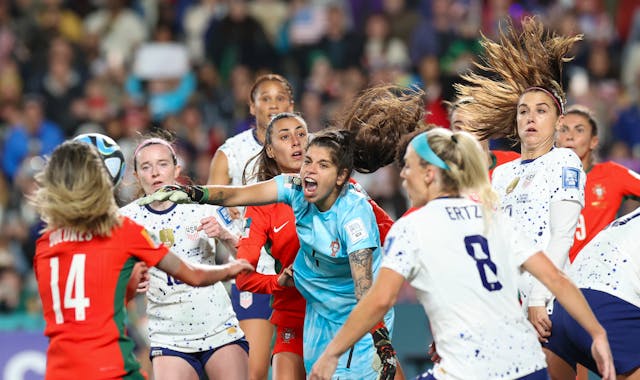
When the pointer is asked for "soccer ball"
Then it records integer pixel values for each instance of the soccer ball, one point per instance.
(110, 151)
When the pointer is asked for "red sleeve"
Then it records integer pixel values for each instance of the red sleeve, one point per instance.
(629, 181)
(142, 244)
(383, 220)
(249, 249)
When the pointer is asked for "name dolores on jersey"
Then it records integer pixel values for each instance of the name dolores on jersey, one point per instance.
(63, 235)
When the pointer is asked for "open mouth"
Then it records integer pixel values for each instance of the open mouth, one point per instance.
(310, 186)
(297, 154)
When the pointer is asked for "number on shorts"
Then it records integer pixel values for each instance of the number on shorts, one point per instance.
(483, 260)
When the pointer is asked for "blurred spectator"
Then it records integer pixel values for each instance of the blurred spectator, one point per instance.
(116, 29)
(436, 112)
(271, 14)
(61, 86)
(342, 46)
(405, 20)
(35, 136)
(161, 78)
(196, 20)
(10, 288)
(238, 39)
(381, 49)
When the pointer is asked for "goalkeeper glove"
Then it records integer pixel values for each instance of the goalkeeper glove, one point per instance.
(385, 351)
(178, 194)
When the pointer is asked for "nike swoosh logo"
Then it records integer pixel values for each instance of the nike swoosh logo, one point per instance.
(277, 229)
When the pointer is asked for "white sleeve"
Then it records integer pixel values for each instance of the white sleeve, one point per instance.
(563, 221)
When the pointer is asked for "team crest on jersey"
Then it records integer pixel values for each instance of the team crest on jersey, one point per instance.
(512, 185)
(527, 180)
(570, 178)
(246, 299)
(335, 247)
(287, 335)
(223, 212)
(292, 182)
(356, 230)
(166, 237)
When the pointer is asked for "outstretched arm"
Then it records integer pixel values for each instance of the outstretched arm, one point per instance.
(199, 274)
(256, 194)
(576, 305)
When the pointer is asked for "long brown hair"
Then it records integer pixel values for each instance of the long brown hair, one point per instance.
(517, 63)
(378, 118)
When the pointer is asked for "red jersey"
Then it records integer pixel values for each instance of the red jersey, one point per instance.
(274, 227)
(499, 157)
(82, 282)
(608, 183)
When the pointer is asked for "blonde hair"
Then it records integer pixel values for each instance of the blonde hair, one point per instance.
(515, 64)
(467, 173)
(75, 191)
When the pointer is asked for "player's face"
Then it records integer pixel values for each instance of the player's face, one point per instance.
(575, 133)
(413, 178)
(536, 118)
(155, 168)
(269, 99)
(320, 178)
(288, 140)
(458, 122)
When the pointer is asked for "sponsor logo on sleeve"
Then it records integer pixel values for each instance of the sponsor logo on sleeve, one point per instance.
(356, 230)
(570, 178)
(223, 212)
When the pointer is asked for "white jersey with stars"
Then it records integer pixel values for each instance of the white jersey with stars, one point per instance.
(181, 317)
(611, 261)
(527, 188)
(466, 281)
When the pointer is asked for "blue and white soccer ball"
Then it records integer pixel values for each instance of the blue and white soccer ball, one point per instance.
(110, 152)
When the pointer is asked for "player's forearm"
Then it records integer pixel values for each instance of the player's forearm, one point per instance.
(563, 221)
(361, 262)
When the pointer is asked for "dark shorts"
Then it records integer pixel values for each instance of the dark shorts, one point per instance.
(621, 320)
(197, 360)
(249, 305)
(537, 375)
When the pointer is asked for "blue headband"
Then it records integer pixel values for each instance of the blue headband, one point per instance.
(420, 144)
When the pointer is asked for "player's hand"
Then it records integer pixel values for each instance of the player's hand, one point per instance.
(213, 229)
(433, 353)
(602, 355)
(540, 320)
(324, 368)
(235, 267)
(285, 278)
(177, 194)
(386, 353)
(145, 278)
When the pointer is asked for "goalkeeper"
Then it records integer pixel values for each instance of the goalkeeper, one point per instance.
(339, 252)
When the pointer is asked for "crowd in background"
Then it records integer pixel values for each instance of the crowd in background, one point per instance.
(68, 67)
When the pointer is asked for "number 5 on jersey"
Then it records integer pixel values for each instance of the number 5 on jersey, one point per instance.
(74, 289)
